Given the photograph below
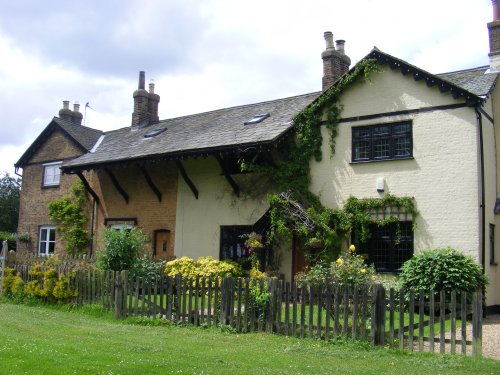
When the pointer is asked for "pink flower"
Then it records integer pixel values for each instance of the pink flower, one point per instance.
(250, 251)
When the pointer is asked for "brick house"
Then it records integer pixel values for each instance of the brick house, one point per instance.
(408, 132)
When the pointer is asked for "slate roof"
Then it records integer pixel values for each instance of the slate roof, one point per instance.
(84, 137)
(216, 131)
(475, 80)
(224, 130)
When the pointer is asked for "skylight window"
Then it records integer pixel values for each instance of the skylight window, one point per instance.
(257, 118)
(154, 132)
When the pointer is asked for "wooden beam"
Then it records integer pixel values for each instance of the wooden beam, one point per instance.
(228, 177)
(87, 186)
(117, 185)
(151, 183)
(186, 178)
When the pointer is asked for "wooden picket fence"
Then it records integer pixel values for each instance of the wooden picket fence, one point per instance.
(424, 322)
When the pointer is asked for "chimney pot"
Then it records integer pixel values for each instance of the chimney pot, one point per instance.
(496, 9)
(328, 35)
(65, 104)
(76, 107)
(142, 80)
(151, 87)
(340, 44)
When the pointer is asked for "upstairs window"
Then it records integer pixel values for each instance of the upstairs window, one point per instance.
(382, 142)
(51, 174)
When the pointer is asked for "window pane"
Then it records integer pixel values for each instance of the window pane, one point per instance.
(402, 147)
(361, 150)
(52, 245)
(52, 175)
(381, 131)
(401, 128)
(361, 133)
(382, 148)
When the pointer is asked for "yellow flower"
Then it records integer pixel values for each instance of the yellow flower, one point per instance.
(340, 261)
(363, 270)
(352, 248)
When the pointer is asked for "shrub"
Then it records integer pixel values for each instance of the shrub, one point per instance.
(148, 269)
(442, 269)
(121, 249)
(203, 267)
(12, 283)
(49, 285)
(349, 269)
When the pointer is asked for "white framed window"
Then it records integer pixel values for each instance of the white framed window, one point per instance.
(46, 240)
(122, 227)
(51, 174)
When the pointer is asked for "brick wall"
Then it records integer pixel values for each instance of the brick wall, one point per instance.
(494, 30)
(34, 198)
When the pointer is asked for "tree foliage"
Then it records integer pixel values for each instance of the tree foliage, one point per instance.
(10, 189)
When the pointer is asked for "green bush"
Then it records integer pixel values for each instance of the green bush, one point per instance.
(49, 285)
(150, 270)
(121, 249)
(349, 269)
(442, 269)
(12, 283)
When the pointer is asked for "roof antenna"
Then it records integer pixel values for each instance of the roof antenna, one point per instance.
(87, 105)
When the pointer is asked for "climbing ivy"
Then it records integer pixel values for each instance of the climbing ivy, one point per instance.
(299, 211)
(69, 215)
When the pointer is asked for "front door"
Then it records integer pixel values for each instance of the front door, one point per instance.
(162, 244)
(298, 258)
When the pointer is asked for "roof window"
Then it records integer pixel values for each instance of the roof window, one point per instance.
(257, 118)
(154, 132)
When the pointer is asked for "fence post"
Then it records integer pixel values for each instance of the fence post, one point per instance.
(477, 323)
(119, 281)
(378, 314)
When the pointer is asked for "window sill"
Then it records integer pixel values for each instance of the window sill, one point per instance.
(380, 160)
(493, 264)
(50, 186)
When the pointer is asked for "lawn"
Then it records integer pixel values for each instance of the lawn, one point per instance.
(45, 340)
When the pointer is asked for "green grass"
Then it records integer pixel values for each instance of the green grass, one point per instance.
(41, 340)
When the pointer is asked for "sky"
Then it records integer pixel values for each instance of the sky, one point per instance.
(205, 54)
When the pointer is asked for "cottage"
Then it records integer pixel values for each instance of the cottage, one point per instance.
(407, 132)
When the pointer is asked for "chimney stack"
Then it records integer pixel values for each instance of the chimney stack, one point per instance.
(65, 113)
(335, 61)
(76, 116)
(494, 34)
(145, 104)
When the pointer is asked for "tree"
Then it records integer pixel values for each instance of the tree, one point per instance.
(10, 189)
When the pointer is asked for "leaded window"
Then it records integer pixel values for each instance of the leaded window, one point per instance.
(382, 142)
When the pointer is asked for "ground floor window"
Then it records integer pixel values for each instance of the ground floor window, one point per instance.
(232, 243)
(389, 246)
(46, 240)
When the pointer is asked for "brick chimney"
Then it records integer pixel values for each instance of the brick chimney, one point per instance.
(76, 116)
(494, 34)
(65, 113)
(154, 99)
(335, 61)
(140, 116)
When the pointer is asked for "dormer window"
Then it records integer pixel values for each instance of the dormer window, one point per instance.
(51, 174)
(257, 118)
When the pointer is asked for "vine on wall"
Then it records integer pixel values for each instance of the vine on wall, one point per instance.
(297, 210)
(69, 215)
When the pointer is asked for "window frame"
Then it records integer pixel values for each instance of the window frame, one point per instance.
(235, 240)
(371, 138)
(45, 242)
(370, 247)
(51, 166)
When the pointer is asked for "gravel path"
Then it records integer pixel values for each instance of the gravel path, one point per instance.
(491, 337)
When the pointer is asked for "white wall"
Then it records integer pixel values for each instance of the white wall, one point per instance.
(442, 177)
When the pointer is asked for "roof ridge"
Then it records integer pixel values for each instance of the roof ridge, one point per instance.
(463, 70)
(240, 106)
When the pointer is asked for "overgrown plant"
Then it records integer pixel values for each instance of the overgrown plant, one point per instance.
(69, 214)
(203, 267)
(121, 249)
(298, 211)
(48, 285)
(441, 269)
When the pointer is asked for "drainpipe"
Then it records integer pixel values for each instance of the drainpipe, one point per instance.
(483, 214)
(94, 204)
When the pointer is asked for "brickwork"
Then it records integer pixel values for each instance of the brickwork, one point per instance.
(143, 204)
(34, 198)
(494, 30)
